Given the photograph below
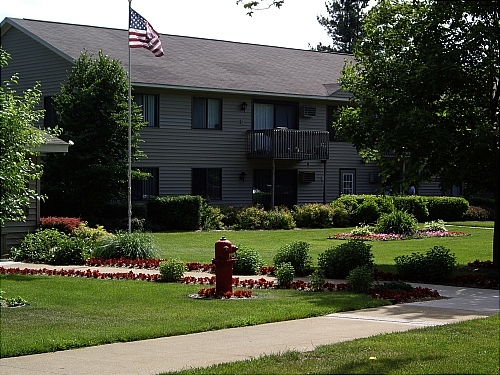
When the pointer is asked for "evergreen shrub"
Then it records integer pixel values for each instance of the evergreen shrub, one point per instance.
(297, 254)
(338, 261)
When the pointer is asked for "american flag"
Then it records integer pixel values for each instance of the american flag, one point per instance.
(142, 35)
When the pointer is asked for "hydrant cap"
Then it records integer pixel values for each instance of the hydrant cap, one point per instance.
(222, 238)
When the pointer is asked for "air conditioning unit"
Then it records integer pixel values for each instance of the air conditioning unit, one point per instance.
(307, 177)
(308, 111)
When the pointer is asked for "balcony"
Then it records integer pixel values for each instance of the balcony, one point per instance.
(287, 144)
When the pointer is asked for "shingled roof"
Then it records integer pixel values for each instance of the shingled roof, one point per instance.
(196, 63)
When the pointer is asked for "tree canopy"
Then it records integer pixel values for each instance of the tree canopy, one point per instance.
(425, 92)
(92, 109)
(18, 142)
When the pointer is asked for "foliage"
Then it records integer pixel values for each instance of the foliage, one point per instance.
(436, 265)
(93, 110)
(317, 280)
(64, 224)
(251, 217)
(135, 245)
(437, 225)
(360, 279)
(278, 218)
(181, 212)
(18, 142)
(477, 213)
(211, 218)
(394, 286)
(363, 230)
(248, 261)
(343, 24)
(313, 215)
(413, 204)
(338, 261)
(447, 208)
(50, 246)
(229, 215)
(297, 254)
(284, 274)
(172, 270)
(398, 222)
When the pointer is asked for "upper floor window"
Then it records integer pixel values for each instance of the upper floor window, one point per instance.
(150, 105)
(275, 115)
(207, 182)
(206, 113)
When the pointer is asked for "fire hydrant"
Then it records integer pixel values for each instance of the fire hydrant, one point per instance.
(223, 261)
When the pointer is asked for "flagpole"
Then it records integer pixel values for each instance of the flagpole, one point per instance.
(129, 173)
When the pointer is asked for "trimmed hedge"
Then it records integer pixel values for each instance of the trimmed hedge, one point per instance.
(182, 212)
(447, 208)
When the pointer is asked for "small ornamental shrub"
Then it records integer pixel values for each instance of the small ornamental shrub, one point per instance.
(340, 216)
(297, 254)
(230, 216)
(135, 245)
(63, 224)
(172, 270)
(211, 218)
(435, 226)
(360, 279)
(413, 204)
(314, 215)
(363, 230)
(278, 218)
(436, 265)
(317, 280)
(398, 222)
(478, 213)
(284, 274)
(338, 261)
(248, 261)
(251, 217)
(368, 212)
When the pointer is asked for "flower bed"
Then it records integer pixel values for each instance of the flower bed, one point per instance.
(414, 295)
(394, 236)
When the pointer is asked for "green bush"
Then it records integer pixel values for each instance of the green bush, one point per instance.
(297, 254)
(365, 208)
(317, 280)
(175, 212)
(476, 213)
(368, 212)
(435, 226)
(284, 274)
(398, 222)
(50, 246)
(230, 216)
(447, 208)
(248, 261)
(278, 218)
(436, 265)
(340, 218)
(251, 217)
(172, 270)
(313, 215)
(338, 261)
(135, 245)
(413, 204)
(360, 279)
(363, 230)
(211, 218)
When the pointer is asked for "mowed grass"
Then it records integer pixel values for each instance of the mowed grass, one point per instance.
(199, 246)
(66, 312)
(469, 347)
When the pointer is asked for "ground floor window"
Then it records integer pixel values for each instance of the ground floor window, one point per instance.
(207, 182)
(285, 191)
(347, 181)
(143, 189)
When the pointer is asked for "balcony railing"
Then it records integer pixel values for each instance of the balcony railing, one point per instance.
(287, 144)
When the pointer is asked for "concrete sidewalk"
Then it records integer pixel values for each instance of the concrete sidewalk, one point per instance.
(207, 348)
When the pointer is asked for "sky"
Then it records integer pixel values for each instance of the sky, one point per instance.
(293, 26)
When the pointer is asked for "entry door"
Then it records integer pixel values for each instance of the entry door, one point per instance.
(285, 192)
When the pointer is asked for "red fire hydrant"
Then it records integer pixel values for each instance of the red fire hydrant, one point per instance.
(223, 261)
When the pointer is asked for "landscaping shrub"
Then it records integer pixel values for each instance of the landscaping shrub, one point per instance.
(50, 246)
(415, 205)
(284, 274)
(435, 226)
(360, 279)
(447, 208)
(278, 218)
(63, 224)
(313, 215)
(251, 217)
(230, 216)
(211, 218)
(297, 254)
(367, 212)
(175, 212)
(248, 261)
(364, 208)
(394, 286)
(172, 270)
(338, 261)
(478, 213)
(317, 280)
(436, 265)
(363, 230)
(340, 216)
(135, 245)
(398, 222)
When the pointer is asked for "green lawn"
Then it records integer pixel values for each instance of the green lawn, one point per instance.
(199, 246)
(66, 312)
(469, 347)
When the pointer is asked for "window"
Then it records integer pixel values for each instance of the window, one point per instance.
(143, 189)
(275, 115)
(206, 114)
(207, 182)
(150, 105)
(49, 119)
(347, 181)
(331, 116)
